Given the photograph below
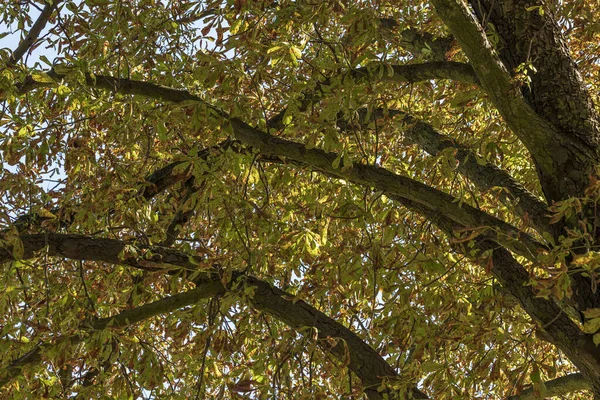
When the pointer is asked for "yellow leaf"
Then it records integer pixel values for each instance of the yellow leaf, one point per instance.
(591, 313)
(42, 77)
(591, 326)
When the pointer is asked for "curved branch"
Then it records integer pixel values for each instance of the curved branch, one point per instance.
(34, 33)
(484, 175)
(552, 321)
(155, 183)
(391, 184)
(365, 175)
(365, 362)
(382, 72)
(557, 387)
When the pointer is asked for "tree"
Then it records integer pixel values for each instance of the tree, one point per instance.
(300, 200)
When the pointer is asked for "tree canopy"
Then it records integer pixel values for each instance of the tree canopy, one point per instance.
(292, 199)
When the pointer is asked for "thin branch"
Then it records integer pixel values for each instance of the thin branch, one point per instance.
(382, 72)
(125, 318)
(168, 175)
(155, 183)
(561, 386)
(26, 43)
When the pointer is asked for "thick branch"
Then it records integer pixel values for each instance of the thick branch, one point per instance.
(389, 183)
(557, 158)
(365, 362)
(34, 33)
(557, 387)
(121, 320)
(425, 43)
(556, 90)
(409, 73)
(413, 73)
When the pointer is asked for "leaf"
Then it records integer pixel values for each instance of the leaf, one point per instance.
(592, 313)
(295, 52)
(592, 325)
(42, 77)
(273, 49)
(11, 241)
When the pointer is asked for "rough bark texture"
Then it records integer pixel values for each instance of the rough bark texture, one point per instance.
(563, 162)
(558, 94)
(556, 91)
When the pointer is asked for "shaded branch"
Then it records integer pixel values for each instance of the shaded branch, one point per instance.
(183, 213)
(484, 175)
(123, 319)
(552, 321)
(409, 73)
(26, 43)
(391, 184)
(80, 247)
(382, 72)
(418, 43)
(365, 362)
(557, 387)
(155, 183)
